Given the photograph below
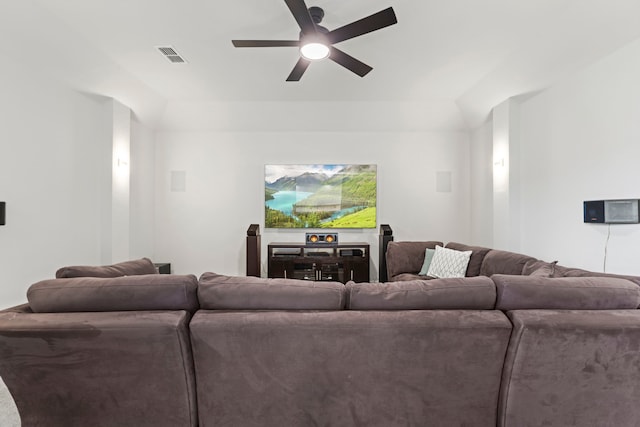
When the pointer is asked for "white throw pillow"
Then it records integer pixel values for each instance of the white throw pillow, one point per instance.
(448, 263)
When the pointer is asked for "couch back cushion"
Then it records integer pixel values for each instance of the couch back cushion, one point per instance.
(570, 293)
(218, 292)
(477, 256)
(477, 293)
(349, 368)
(130, 368)
(142, 292)
(503, 262)
(126, 268)
(407, 257)
(571, 368)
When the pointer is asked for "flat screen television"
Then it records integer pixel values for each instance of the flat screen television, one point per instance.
(320, 196)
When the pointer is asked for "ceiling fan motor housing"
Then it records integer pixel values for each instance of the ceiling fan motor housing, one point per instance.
(316, 14)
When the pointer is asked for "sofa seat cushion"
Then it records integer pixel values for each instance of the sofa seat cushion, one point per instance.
(477, 256)
(571, 293)
(456, 293)
(218, 292)
(407, 257)
(144, 292)
(126, 268)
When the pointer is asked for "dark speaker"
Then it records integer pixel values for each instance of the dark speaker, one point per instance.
(594, 211)
(386, 236)
(253, 250)
(321, 238)
(3, 207)
(253, 230)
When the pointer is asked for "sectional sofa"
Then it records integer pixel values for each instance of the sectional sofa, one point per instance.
(498, 349)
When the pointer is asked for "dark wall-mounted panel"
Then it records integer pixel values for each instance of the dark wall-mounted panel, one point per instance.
(620, 211)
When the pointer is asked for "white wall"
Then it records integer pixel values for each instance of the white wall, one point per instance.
(506, 177)
(56, 177)
(120, 185)
(481, 164)
(51, 176)
(204, 227)
(142, 191)
(581, 141)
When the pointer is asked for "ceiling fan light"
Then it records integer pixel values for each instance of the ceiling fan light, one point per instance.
(314, 51)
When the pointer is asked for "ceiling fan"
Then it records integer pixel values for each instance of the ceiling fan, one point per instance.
(316, 42)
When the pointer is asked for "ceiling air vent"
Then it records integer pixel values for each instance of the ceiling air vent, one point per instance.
(171, 54)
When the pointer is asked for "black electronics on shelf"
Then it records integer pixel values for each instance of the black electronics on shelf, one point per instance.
(340, 262)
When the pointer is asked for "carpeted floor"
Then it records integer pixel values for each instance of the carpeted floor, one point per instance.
(8, 413)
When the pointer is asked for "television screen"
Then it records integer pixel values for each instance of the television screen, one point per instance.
(320, 196)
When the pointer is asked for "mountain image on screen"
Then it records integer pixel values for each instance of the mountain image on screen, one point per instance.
(320, 196)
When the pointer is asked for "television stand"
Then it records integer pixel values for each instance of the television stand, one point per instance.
(340, 262)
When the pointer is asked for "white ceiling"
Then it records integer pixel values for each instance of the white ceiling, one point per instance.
(443, 66)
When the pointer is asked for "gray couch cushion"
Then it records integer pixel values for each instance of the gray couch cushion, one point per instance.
(218, 292)
(349, 368)
(146, 292)
(572, 368)
(406, 257)
(503, 262)
(127, 268)
(477, 256)
(577, 272)
(456, 293)
(571, 293)
(132, 368)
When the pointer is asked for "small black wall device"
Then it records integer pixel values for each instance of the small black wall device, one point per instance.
(621, 211)
(594, 211)
(321, 238)
(3, 206)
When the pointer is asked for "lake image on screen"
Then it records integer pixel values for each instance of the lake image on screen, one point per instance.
(320, 196)
(283, 201)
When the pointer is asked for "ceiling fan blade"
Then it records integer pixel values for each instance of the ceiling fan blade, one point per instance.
(301, 13)
(265, 43)
(349, 62)
(374, 22)
(299, 69)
